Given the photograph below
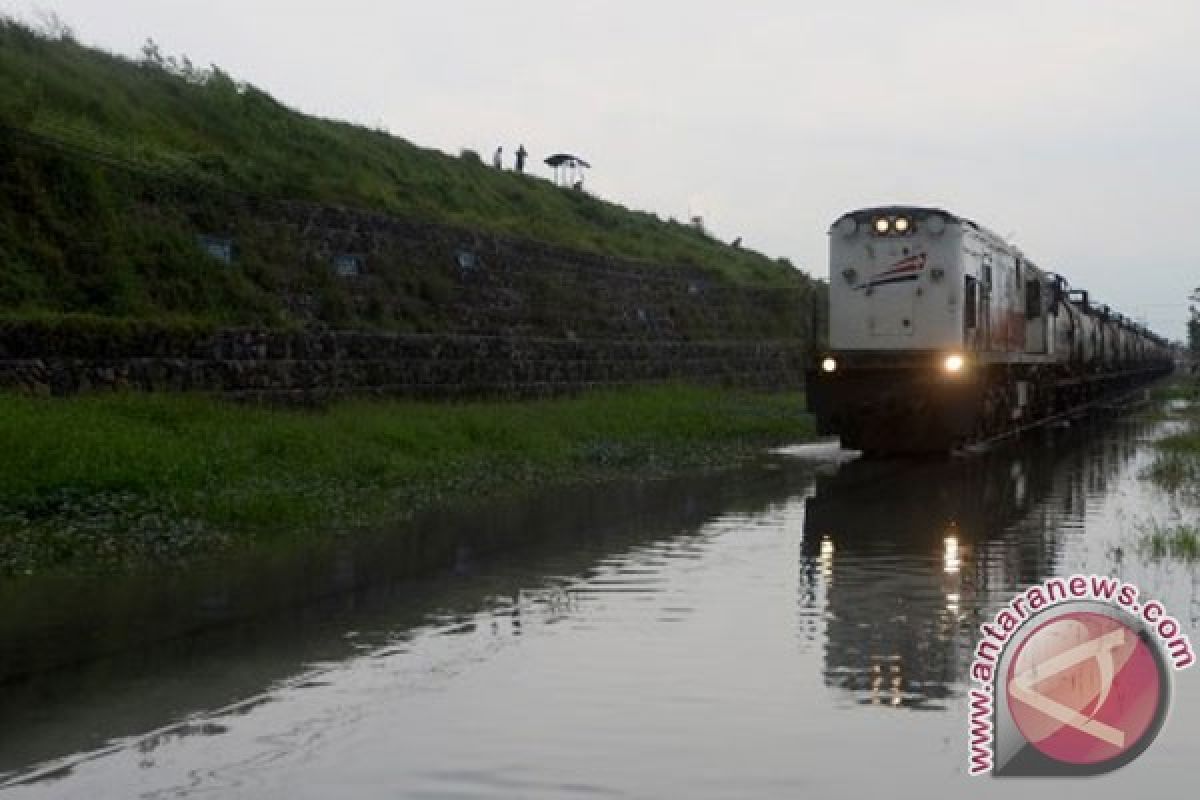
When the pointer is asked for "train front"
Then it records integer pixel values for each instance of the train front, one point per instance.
(896, 376)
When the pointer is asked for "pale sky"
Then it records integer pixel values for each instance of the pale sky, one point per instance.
(1071, 125)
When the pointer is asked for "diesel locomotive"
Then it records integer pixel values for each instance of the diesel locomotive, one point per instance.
(942, 334)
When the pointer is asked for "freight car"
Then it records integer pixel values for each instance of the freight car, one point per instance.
(941, 334)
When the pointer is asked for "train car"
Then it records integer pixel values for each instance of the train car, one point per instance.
(941, 334)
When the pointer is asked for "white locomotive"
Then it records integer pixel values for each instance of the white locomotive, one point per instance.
(941, 333)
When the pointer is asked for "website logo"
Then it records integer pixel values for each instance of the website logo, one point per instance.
(1073, 677)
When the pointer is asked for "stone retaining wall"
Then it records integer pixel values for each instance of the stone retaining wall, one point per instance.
(310, 367)
(373, 303)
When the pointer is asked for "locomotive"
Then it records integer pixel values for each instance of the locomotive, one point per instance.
(942, 334)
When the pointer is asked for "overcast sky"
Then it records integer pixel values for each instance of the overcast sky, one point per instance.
(1071, 125)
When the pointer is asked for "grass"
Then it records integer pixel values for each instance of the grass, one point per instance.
(1176, 389)
(1177, 465)
(1176, 468)
(1180, 542)
(1172, 471)
(114, 482)
(1184, 388)
(1184, 445)
(75, 236)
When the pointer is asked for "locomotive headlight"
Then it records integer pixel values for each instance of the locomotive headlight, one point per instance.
(882, 224)
(954, 363)
(829, 365)
(902, 224)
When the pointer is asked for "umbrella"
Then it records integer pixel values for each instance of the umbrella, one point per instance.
(566, 159)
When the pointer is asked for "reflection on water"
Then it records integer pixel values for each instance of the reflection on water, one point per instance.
(902, 559)
(752, 634)
(62, 689)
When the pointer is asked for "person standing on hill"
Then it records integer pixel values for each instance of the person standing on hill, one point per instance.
(521, 156)
(498, 158)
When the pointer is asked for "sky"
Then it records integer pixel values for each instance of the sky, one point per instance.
(1070, 126)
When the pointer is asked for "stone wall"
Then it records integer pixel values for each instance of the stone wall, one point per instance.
(434, 278)
(370, 303)
(311, 367)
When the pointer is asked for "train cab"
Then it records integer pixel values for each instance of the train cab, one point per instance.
(942, 333)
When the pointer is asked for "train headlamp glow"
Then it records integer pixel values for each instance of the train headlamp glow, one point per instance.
(829, 365)
(901, 224)
(882, 224)
(954, 363)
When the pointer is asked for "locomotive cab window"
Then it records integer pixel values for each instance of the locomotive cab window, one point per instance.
(970, 301)
(1033, 299)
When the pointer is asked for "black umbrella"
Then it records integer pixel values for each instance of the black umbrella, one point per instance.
(566, 160)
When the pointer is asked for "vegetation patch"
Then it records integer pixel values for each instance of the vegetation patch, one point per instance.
(1172, 471)
(1177, 464)
(115, 482)
(1180, 542)
(95, 150)
(1175, 390)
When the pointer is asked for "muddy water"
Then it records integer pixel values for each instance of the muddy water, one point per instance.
(799, 628)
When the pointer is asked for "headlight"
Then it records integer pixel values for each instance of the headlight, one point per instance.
(882, 224)
(901, 224)
(829, 365)
(954, 363)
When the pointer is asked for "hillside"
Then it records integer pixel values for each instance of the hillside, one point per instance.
(72, 239)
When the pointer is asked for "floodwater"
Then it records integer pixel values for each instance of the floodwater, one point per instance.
(798, 628)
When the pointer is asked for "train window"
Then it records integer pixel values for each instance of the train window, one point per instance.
(1033, 299)
(970, 302)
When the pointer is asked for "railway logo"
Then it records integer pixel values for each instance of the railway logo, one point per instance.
(1072, 678)
(904, 270)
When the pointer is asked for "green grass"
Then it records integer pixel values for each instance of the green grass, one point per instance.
(1180, 387)
(1177, 464)
(1180, 542)
(1181, 451)
(110, 482)
(1172, 471)
(1186, 444)
(1176, 468)
(73, 237)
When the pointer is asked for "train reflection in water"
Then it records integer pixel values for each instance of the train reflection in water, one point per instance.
(902, 560)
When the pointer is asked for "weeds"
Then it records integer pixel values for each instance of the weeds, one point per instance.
(1172, 471)
(103, 481)
(76, 237)
(1180, 542)
(1177, 465)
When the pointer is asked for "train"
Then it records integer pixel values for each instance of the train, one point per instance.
(942, 334)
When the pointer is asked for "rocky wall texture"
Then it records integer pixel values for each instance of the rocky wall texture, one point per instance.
(347, 300)
(311, 367)
(340, 267)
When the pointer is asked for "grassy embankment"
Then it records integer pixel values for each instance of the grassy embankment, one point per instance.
(73, 237)
(118, 482)
(1176, 468)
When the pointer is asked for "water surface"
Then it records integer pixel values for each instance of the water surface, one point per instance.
(798, 628)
